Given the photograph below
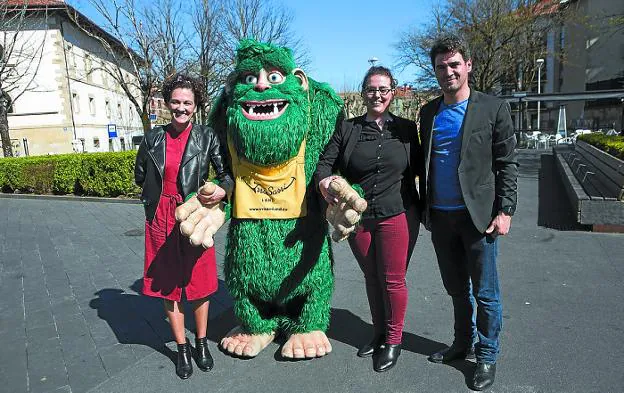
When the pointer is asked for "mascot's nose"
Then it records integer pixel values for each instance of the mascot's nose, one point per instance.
(262, 86)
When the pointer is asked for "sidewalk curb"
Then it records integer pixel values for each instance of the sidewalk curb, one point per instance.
(73, 198)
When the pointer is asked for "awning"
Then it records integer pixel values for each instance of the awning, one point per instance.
(581, 96)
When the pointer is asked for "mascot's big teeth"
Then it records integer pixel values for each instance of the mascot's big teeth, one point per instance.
(264, 110)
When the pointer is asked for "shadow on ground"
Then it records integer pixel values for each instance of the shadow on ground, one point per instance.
(554, 208)
(138, 319)
(351, 330)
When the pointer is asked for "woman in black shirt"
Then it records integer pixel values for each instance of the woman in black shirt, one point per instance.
(380, 152)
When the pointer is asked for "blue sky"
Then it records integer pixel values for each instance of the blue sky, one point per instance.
(341, 35)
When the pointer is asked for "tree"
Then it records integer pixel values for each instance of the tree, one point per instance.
(505, 36)
(148, 44)
(263, 20)
(212, 58)
(20, 57)
(153, 40)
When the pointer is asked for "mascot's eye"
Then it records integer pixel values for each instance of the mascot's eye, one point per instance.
(275, 77)
(251, 79)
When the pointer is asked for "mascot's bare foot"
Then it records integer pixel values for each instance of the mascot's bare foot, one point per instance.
(306, 345)
(241, 343)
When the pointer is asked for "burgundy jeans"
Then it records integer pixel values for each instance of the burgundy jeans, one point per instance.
(383, 248)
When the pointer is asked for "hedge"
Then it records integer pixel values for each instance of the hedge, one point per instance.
(92, 174)
(612, 144)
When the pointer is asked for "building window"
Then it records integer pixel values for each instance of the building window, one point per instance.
(92, 105)
(119, 114)
(76, 102)
(88, 63)
(122, 142)
(107, 108)
(96, 143)
(71, 56)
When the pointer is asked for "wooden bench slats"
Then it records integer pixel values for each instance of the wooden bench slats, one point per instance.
(612, 178)
(592, 176)
(584, 175)
(596, 211)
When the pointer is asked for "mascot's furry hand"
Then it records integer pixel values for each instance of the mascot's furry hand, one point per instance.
(201, 216)
(345, 206)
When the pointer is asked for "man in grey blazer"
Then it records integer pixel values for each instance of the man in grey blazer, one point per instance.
(471, 191)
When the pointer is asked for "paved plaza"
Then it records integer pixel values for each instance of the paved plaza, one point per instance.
(72, 319)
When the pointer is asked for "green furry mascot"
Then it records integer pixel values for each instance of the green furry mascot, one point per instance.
(275, 122)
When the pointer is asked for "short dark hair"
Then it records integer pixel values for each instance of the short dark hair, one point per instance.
(378, 70)
(449, 43)
(184, 81)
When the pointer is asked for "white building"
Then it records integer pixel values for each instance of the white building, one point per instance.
(71, 105)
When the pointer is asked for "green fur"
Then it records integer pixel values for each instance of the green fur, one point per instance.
(256, 140)
(357, 188)
(279, 271)
(252, 55)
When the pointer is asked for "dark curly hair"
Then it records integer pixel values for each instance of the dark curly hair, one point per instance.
(183, 81)
(449, 43)
(378, 70)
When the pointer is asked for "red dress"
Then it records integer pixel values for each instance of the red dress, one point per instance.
(172, 264)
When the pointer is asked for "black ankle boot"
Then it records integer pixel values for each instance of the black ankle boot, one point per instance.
(454, 352)
(386, 357)
(184, 365)
(202, 354)
(484, 376)
(371, 347)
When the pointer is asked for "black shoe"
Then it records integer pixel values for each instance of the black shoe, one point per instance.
(203, 358)
(184, 365)
(451, 353)
(371, 347)
(484, 376)
(386, 357)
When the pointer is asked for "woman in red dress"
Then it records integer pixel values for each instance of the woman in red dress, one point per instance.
(171, 164)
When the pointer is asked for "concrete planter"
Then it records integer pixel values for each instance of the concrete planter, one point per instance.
(609, 168)
(594, 182)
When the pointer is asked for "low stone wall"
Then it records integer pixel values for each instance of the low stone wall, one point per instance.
(594, 182)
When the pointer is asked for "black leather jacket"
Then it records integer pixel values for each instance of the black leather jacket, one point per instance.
(203, 147)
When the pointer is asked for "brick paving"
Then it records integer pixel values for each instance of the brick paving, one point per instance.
(71, 318)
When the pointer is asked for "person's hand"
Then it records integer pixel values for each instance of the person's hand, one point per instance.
(326, 192)
(210, 194)
(198, 221)
(500, 225)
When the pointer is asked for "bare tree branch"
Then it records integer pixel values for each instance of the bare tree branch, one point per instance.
(20, 57)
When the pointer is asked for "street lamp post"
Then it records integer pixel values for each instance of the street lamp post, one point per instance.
(540, 63)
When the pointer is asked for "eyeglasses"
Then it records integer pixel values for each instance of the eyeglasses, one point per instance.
(383, 91)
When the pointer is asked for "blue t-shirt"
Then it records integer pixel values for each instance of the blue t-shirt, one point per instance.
(445, 151)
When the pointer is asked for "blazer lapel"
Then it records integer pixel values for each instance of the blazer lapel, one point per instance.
(193, 146)
(469, 123)
(427, 135)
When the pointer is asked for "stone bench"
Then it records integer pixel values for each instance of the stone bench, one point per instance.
(594, 182)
